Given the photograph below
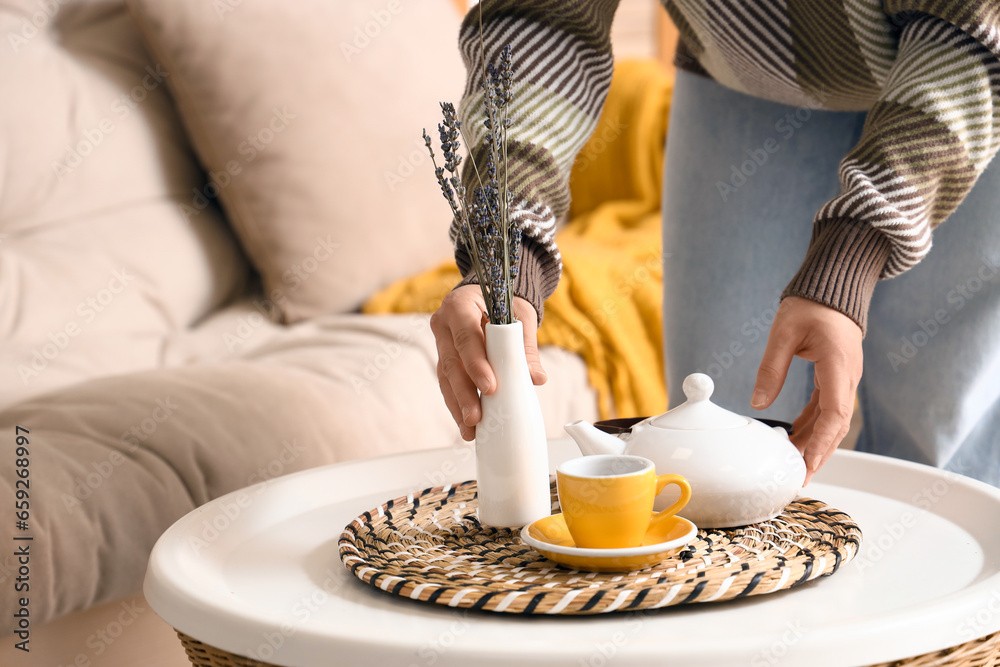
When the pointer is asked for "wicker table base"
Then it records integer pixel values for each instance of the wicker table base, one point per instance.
(983, 652)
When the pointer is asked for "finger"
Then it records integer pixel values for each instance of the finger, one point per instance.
(444, 344)
(529, 322)
(803, 434)
(773, 369)
(801, 440)
(468, 342)
(453, 377)
(836, 405)
(827, 432)
(802, 425)
(464, 390)
(458, 325)
(802, 429)
(822, 444)
(450, 400)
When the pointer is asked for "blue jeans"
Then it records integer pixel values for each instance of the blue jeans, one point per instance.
(744, 178)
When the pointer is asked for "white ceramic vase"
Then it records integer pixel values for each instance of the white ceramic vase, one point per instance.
(512, 462)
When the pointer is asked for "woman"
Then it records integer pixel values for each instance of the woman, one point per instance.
(814, 148)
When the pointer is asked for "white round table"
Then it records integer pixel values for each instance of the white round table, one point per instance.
(258, 573)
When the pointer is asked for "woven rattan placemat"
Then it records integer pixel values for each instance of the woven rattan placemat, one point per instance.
(430, 546)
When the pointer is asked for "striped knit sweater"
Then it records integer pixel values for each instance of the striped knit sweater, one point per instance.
(926, 71)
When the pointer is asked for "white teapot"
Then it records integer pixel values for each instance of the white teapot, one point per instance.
(740, 470)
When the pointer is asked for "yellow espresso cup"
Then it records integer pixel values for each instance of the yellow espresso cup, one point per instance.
(607, 500)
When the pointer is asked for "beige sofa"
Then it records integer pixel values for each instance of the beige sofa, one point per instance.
(196, 197)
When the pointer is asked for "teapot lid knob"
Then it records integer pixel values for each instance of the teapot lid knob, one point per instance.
(698, 387)
(698, 412)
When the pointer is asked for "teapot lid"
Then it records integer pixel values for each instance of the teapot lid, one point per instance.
(698, 413)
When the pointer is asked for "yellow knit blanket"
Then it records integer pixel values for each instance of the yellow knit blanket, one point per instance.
(607, 307)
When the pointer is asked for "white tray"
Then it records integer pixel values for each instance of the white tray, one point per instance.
(258, 573)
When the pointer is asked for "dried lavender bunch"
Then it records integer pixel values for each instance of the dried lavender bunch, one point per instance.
(491, 238)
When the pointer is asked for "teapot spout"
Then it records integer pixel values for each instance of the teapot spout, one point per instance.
(592, 440)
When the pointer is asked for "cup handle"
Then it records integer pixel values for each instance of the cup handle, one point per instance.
(661, 482)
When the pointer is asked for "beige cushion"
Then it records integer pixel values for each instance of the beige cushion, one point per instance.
(308, 115)
(93, 161)
(118, 459)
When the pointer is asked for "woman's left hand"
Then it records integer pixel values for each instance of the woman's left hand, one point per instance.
(832, 341)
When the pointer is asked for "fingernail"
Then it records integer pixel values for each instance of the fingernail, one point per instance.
(538, 372)
(759, 399)
(483, 383)
(813, 462)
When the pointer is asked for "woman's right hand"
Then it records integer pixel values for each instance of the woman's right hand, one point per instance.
(462, 366)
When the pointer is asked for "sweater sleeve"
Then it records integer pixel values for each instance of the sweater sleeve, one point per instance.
(562, 66)
(931, 133)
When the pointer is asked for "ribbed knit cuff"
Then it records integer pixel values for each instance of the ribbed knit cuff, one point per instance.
(844, 262)
(537, 276)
